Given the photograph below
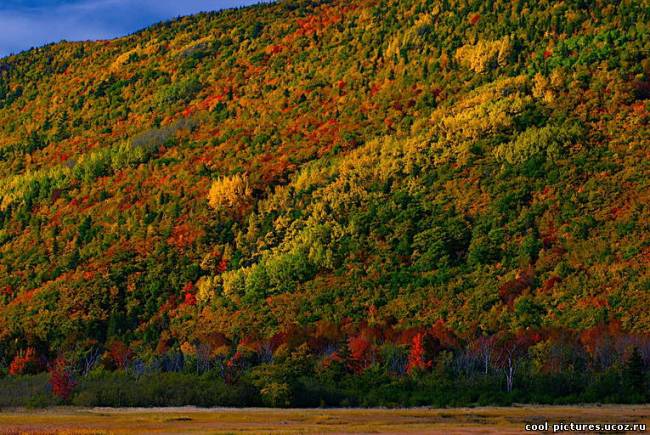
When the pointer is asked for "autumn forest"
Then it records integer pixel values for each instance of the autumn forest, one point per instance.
(328, 202)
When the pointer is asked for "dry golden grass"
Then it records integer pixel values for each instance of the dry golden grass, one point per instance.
(301, 421)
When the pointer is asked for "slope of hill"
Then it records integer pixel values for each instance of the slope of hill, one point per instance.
(403, 184)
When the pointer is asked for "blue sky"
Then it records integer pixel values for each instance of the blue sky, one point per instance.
(31, 23)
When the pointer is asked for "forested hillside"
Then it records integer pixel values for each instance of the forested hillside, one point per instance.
(298, 198)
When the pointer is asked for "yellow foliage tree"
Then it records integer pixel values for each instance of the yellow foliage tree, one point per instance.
(229, 192)
(484, 54)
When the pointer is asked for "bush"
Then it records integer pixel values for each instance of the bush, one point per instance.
(162, 389)
(294, 383)
(32, 391)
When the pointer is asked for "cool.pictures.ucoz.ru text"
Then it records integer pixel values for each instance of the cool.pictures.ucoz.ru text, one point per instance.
(585, 427)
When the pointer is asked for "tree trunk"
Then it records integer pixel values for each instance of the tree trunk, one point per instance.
(510, 374)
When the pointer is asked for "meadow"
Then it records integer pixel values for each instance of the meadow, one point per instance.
(192, 420)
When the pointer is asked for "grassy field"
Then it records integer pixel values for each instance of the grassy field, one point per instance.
(298, 421)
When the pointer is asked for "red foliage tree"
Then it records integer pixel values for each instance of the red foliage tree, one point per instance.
(120, 354)
(189, 298)
(328, 360)
(550, 282)
(510, 290)
(232, 368)
(25, 362)
(361, 352)
(61, 379)
(223, 265)
(600, 343)
(443, 336)
(6, 291)
(417, 359)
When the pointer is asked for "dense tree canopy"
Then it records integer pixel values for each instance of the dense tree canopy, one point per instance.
(346, 179)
